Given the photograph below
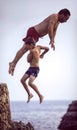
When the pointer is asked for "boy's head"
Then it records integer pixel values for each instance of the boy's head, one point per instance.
(30, 42)
(32, 46)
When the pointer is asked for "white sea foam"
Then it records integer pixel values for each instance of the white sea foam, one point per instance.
(45, 116)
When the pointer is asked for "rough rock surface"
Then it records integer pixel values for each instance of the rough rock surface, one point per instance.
(5, 114)
(69, 120)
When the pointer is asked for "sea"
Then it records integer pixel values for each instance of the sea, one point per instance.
(44, 116)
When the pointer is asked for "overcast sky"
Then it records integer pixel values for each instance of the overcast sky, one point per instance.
(58, 70)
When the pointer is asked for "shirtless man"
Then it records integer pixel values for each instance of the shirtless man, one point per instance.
(47, 26)
(33, 58)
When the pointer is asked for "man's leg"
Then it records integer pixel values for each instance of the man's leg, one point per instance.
(19, 54)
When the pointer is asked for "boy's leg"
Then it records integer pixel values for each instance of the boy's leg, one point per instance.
(23, 81)
(33, 86)
(19, 54)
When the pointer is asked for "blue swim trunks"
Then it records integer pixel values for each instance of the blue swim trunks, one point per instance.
(33, 71)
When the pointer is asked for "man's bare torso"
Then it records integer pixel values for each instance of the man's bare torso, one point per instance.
(43, 27)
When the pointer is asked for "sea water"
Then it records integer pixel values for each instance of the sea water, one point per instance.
(45, 116)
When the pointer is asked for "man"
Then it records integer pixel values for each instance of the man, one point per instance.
(47, 26)
(31, 74)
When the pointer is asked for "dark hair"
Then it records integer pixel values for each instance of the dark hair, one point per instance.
(65, 12)
(29, 41)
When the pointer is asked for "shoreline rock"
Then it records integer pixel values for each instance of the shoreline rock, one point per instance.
(69, 120)
(5, 114)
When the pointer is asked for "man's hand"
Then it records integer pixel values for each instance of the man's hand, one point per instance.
(52, 45)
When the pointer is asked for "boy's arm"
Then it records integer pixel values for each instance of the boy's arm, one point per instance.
(46, 49)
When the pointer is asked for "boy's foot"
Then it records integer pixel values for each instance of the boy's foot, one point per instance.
(11, 68)
(41, 98)
(29, 97)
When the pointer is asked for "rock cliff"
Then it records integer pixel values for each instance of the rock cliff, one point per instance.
(69, 120)
(5, 114)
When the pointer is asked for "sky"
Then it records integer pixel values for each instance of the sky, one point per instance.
(58, 70)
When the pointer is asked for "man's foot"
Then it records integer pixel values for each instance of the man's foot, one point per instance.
(29, 97)
(41, 98)
(11, 68)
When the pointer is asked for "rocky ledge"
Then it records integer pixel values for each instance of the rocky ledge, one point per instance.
(5, 114)
(69, 120)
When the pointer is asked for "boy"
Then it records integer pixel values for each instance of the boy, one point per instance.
(33, 59)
